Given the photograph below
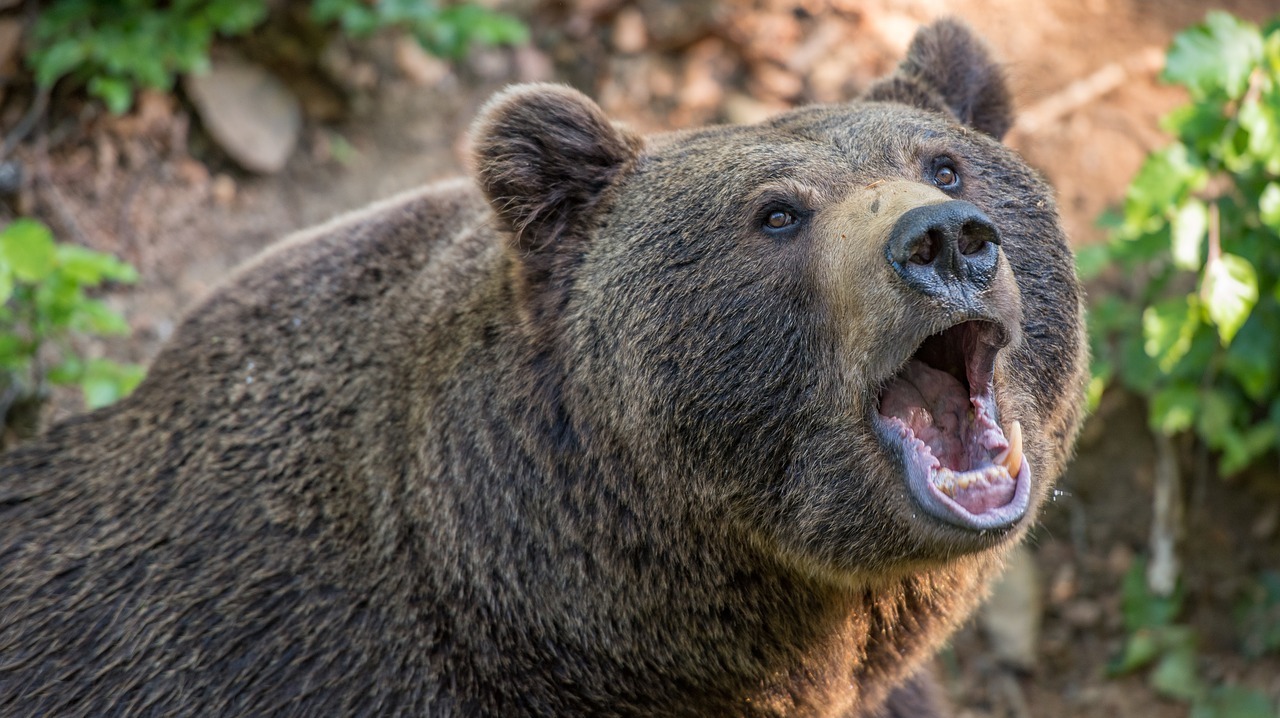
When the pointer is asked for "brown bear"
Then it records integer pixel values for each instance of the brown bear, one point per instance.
(735, 421)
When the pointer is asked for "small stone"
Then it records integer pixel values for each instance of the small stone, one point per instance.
(223, 190)
(192, 172)
(1063, 586)
(10, 38)
(741, 109)
(1082, 613)
(10, 178)
(248, 112)
(491, 63)
(629, 33)
(1119, 559)
(1264, 527)
(671, 24)
(894, 30)
(1011, 616)
(777, 82)
(702, 88)
(817, 45)
(417, 64)
(771, 35)
(533, 65)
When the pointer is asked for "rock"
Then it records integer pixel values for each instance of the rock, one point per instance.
(1064, 584)
(248, 112)
(10, 178)
(533, 65)
(1264, 527)
(676, 24)
(223, 190)
(191, 172)
(1119, 559)
(775, 82)
(629, 33)
(420, 66)
(1011, 616)
(703, 87)
(1082, 613)
(10, 37)
(743, 109)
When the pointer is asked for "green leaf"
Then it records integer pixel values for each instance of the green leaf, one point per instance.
(1173, 409)
(6, 282)
(14, 353)
(1175, 674)
(1190, 226)
(1091, 260)
(1231, 291)
(89, 268)
(1269, 206)
(1200, 126)
(1239, 450)
(1165, 179)
(1168, 328)
(1215, 416)
(1260, 117)
(1093, 392)
(105, 382)
(53, 62)
(66, 372)
(115, 92)
(92, 316)
(1251, 358)
(27, 247)
(1143, 609)
(1233, 702)
(1140, 650)
(1258, 616)
(1215, 57)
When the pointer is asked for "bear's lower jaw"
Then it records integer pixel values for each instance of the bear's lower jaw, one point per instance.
(939, 415)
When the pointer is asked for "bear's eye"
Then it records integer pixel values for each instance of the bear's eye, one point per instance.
(779, 219)
(945, 175)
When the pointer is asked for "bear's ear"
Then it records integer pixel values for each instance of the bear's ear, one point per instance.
(544, 154)
(949, 68)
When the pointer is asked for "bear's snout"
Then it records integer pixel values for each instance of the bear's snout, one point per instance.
(947, 251)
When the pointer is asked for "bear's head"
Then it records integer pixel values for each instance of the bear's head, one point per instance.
(850, 334)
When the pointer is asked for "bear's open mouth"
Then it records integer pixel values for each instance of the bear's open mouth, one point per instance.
(940, 411)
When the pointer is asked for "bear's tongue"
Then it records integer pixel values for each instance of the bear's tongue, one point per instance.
(935, 406)
(956, 430)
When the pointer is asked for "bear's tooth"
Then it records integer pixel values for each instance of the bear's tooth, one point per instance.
(1011, 458)
(945, 480)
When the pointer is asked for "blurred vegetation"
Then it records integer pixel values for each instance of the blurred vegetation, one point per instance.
(1197, 328)
(1195, 324)
(1167, 648)
(43, 305)
(117, 48)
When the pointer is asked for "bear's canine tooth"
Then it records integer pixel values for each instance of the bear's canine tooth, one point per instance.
(1011, 458)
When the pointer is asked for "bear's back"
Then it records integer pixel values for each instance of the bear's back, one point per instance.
(227, 506)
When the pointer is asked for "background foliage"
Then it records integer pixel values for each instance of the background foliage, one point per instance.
(116, 48)
(1197, 328)
(43, 303)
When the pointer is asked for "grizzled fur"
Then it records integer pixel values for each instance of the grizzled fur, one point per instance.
(582, 440)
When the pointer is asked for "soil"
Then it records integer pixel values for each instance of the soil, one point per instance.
(153, 188)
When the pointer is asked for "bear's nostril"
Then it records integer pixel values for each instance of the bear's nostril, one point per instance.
(927, 249)
(949, 249)
(973, 238)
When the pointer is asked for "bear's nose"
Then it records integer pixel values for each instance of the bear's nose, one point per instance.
(946, 251)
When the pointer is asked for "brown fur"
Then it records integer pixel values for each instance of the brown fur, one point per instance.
(585, 440)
